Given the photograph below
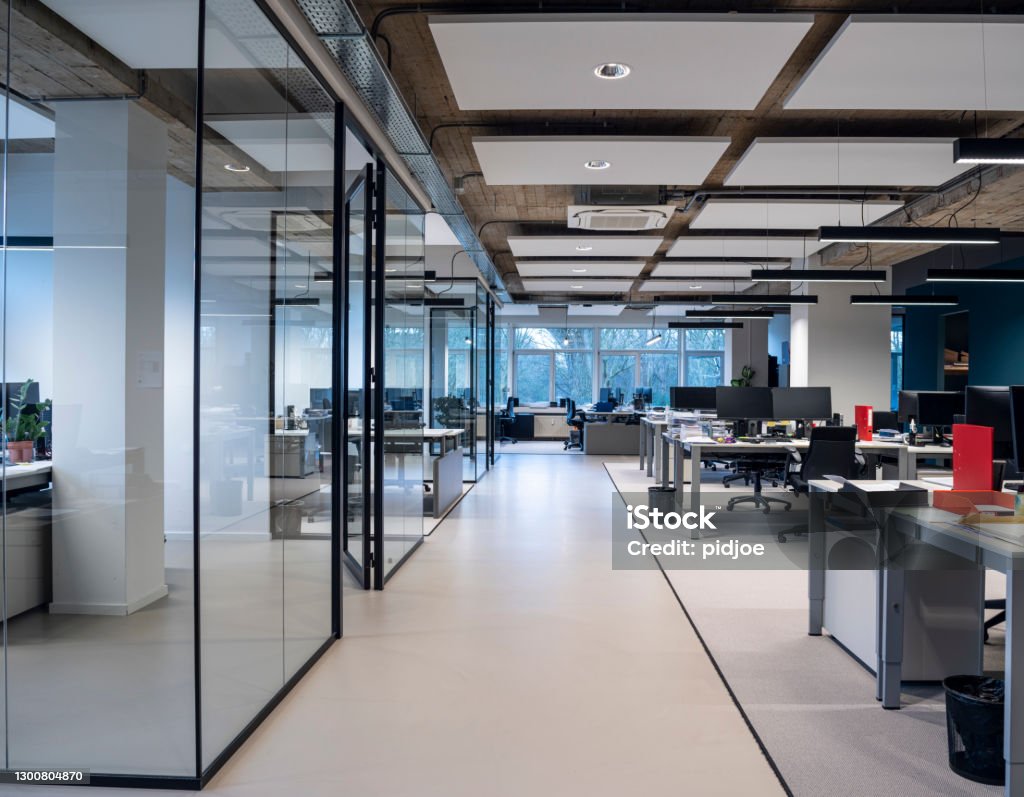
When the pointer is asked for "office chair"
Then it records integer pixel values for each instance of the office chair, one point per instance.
(756, 468)
(506, 420)
(832, 452)
(736, 475)
(575, 425)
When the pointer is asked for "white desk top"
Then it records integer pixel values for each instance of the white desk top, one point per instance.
(27, 473)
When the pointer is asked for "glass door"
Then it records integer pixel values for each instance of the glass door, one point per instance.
(357, 462)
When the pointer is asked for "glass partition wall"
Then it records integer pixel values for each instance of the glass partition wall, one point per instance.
(460, 368)
(189, 324)
(398, 357)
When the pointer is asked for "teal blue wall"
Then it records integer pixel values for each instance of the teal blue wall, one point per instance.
(996, 333)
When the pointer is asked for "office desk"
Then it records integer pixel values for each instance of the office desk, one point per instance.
(611, 439)
(28, 474)
(944, 531)
(26, 555)
(700, 449)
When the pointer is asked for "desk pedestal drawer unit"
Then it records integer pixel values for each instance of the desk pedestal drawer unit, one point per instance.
(550, 427)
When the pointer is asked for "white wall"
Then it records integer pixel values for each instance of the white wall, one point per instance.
(843, 346)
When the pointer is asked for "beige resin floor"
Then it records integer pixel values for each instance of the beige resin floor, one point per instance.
(507, 658)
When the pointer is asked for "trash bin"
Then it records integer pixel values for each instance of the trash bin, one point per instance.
(974, 725)
(663, 498)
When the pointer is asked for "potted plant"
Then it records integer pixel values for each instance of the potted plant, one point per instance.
(25, 424)
(743, 380)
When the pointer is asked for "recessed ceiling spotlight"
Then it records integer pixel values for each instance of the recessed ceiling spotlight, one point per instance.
(696, 287)
(612, 71)
(576, 287)
(579, 271)
(583, 248)
(233, 168)
(597, 165)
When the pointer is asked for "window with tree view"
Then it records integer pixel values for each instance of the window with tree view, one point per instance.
(553, 363)
(704, 357)
(635, 357)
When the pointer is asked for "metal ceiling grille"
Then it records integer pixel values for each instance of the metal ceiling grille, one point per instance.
(342, 32)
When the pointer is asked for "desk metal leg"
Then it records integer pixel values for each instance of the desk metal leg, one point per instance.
(643, 443)
(907, 467)
(890, 671)
(651, 430)
(816, 564)
(664, 461)
(695, 479)
(1013, 717)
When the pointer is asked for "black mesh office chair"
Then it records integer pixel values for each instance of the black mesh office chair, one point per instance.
(506, 420)
(576, 421)
(832, 452)
(756, 468)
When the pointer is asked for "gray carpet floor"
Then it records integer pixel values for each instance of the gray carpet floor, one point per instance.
(811, 703)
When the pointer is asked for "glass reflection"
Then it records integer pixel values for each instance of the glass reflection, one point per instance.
(266, 399)
(98, 245)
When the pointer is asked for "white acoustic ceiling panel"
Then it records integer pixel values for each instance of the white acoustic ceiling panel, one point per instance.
(918, 62)
(847, 162)
(300, 145)
(578, 286)
(584, 246)
(800, 214)
(561, 160)
(163, 34)
(547, 61)
(509, 310)
(670, 269)
(744, 246)
(579, 268)
(676, 286)
(610, 310)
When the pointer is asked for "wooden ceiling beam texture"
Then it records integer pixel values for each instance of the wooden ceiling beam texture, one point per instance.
(500, 211)
(52, 61)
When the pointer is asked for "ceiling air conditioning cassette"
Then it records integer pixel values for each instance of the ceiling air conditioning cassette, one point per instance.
(624, 218)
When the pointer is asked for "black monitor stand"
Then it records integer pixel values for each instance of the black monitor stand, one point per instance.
(746, 428)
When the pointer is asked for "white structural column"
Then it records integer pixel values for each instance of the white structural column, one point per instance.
(749, 346)
(110, 204)
(843, 346)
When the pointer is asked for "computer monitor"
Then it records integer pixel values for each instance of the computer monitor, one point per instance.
(692, 398)
(802, 403)
(907, 406)
(886, 420)
(937, 407)
(990, 406)
(1017, 421)
(646, 393)
(605, 394)
(744, 403)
